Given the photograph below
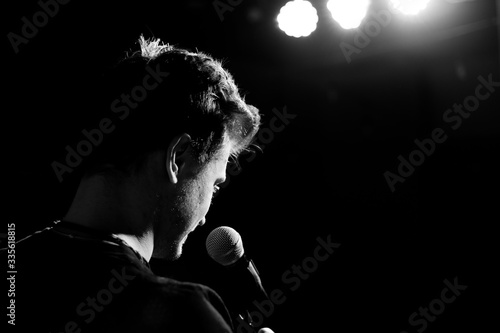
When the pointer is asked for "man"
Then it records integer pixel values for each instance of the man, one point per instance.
(146, 188)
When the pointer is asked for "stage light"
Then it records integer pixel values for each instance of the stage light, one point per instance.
(409, 7)
(348, 13)
(298, 18)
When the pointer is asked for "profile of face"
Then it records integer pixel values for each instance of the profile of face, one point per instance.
(185, 194)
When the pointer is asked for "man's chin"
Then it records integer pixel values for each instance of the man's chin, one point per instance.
(175, 254)
(170, 253)
(172, 257)
(170, 250)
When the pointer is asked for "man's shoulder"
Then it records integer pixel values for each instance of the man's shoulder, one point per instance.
(182, 288)
(104, 287)
(185, 292)
(194, 305)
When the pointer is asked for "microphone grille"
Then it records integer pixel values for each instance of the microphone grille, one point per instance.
(224, 245)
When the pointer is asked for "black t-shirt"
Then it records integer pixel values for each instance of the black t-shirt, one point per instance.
(75, 279)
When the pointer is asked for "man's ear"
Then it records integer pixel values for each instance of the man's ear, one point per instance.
(177, 152)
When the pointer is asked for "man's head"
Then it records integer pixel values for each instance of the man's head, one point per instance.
(180, 118)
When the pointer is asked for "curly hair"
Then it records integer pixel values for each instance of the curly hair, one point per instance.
(198, 97)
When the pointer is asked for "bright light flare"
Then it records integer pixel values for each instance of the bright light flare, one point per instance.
(409, 7)
(298, 18)
(348, 13)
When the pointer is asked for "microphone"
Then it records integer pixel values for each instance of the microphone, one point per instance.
(225, 246)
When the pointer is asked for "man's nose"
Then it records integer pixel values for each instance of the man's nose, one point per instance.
(202, 222)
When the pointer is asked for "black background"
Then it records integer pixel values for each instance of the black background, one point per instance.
(323, 174)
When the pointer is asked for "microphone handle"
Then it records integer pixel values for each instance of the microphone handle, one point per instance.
(255, 273)
(245, 272)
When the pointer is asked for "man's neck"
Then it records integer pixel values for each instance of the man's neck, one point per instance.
(100, 207)
(143, 245)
